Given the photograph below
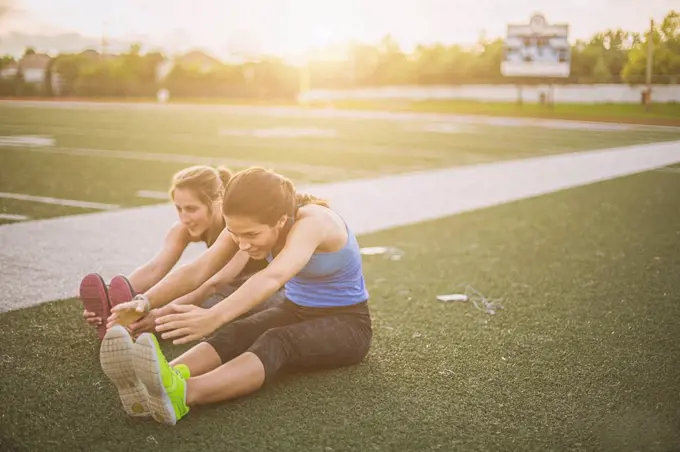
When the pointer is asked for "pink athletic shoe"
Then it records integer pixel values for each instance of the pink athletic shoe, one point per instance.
(120, 290)
(95, 298)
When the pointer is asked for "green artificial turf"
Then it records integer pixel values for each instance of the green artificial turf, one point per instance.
(584, 355)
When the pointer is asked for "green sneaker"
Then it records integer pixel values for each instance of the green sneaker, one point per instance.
(183, 370)
(166, 386)
(116, 359)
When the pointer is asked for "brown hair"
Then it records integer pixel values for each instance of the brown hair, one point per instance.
(205, 181)
(264, 196)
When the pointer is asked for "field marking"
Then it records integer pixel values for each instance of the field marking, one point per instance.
(13, 217)
(150, 194)
(446, 128)
(668, 170)
(303, 168)
(302, 112)
(444, 125)
(60, 202)
(26, 140)
(280, 132)
(32, 253)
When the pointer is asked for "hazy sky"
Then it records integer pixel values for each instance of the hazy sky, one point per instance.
(289, 27)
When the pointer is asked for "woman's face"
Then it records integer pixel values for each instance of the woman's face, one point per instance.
(253, 237)
(193, 214)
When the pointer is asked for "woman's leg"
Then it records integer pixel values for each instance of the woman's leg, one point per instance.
(204, 357)
(324, 342)
(199, 359)
(168, 389)
(241, 376)
(233, 339)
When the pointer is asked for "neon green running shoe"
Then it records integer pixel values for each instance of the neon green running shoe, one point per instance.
(183, 370)
(116, 358)
(166, 386)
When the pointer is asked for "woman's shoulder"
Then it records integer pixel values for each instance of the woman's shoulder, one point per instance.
(314, 211)
(333, 226)
(316, 214)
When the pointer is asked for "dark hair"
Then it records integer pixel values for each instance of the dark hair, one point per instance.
(264, 196)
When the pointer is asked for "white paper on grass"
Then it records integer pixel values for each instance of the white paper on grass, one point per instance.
(393, 253)
(453, 297)
(479, 301)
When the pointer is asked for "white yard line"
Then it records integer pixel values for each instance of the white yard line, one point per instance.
(26, 140)
(150, 194)
(317, 171)
(12, 217)
(44, 260)
(302, 112)
(60, 202)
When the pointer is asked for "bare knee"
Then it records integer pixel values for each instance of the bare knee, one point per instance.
(199, 359)
(241, 376)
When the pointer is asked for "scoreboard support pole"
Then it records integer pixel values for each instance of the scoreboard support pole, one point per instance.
(520, 96)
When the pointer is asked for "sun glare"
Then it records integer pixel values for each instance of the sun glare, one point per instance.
(312, 27)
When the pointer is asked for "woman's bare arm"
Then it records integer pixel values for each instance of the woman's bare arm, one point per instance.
(189, 277)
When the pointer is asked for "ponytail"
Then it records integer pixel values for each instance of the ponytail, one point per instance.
(225, 175)
(303, 199)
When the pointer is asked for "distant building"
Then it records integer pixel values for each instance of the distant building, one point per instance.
(198, 60)
(93, 55)
(10, 70)
(195, 59)
(34, 68)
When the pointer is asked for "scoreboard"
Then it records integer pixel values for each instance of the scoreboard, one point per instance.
(537, 49)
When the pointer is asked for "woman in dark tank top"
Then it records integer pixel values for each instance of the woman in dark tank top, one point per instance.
(197, 195)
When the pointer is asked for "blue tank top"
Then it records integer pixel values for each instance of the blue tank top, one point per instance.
(330, 279)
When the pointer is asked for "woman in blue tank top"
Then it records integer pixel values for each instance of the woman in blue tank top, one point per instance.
(323, 323)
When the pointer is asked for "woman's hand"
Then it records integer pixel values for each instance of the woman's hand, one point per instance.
(186, 323)
(91, 318)
(128, 312)
(147, 324)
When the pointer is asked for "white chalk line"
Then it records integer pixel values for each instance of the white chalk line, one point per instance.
(59, 201)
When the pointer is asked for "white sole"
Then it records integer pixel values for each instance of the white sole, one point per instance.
(116, 358)
(148, 370)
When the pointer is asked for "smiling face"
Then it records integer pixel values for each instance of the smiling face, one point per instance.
(255, 238)
(193, 214)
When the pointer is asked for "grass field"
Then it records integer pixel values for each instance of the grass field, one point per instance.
(108, 155)
(661, 113)
(658, 113)
(585, 355)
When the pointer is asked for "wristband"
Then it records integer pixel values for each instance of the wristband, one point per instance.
(147, 303)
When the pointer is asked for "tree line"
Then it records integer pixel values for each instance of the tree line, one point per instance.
(611, 56)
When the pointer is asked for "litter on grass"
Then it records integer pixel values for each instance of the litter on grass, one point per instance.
(479, 301)
(453, 297)
(390, 252)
